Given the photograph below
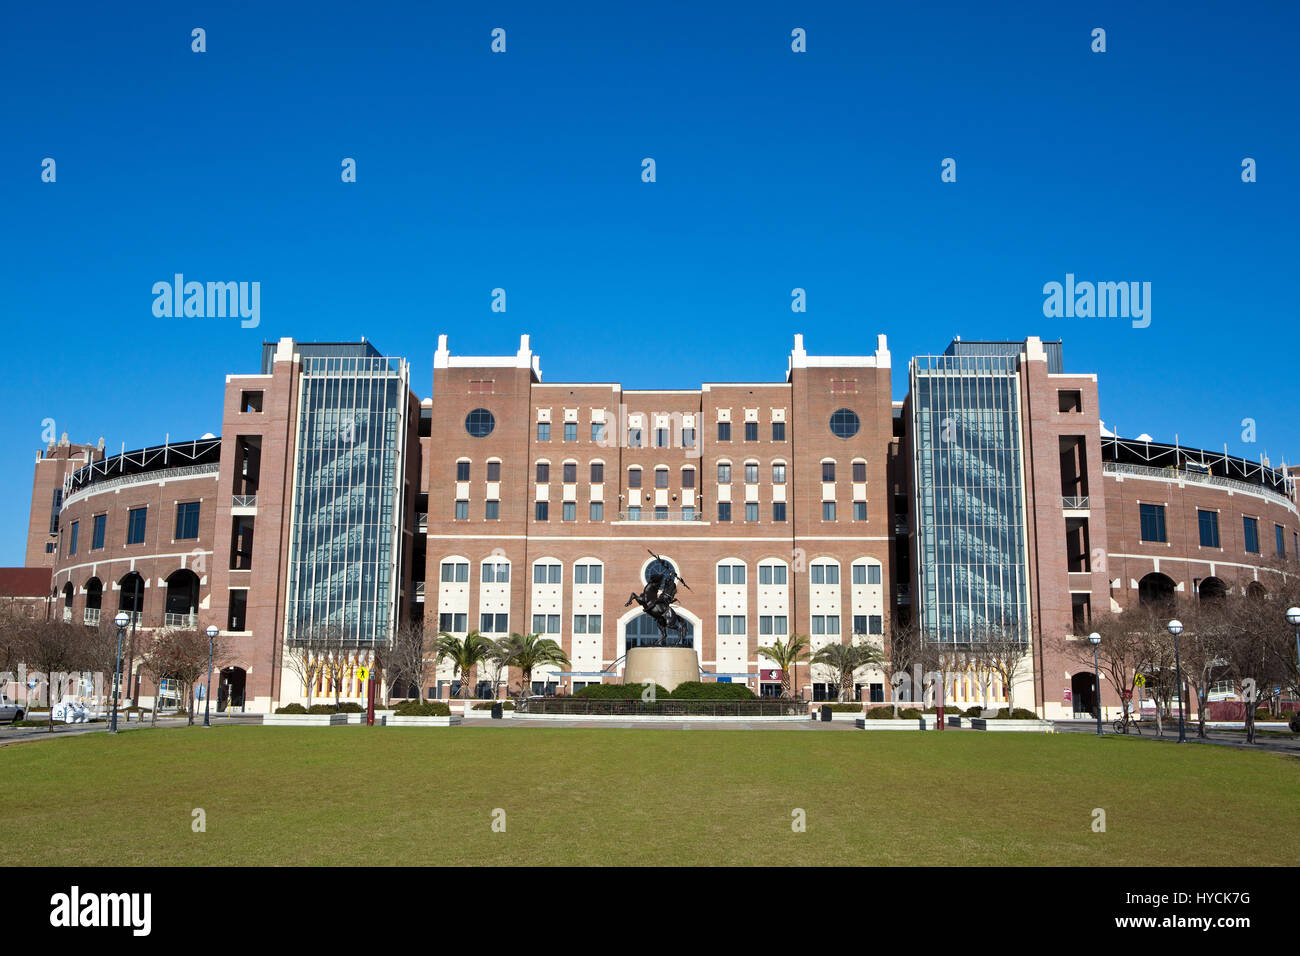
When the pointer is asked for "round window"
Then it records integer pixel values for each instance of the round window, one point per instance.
(480, 423)
(844, 423)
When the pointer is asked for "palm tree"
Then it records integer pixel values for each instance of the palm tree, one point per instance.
(464, 654)
(844, 659)
(527, 651)
(787, 655)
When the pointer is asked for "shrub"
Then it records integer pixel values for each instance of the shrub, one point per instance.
(972, 712)
(322, 709)
(291, 709)
(909, 713)
(619, 691)
(487, 704)
(697, 690)
(880, 713)
(428, 708)
(845, 708)
(350, 707)
(1021, 713)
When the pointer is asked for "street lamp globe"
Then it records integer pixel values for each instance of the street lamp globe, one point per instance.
(1094, 638)
(1293, 616)
(122, 619)
(1175, 627)
(212, 631)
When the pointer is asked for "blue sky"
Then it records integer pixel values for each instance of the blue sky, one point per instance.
(522, 170)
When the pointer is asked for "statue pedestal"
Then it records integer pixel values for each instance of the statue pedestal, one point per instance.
(666, 666)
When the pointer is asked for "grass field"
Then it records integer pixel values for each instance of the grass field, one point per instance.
(361, 795)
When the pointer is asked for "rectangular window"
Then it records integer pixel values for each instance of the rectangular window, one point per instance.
(661, 438)
(542, 511)
(495, 573)
(1069, 400)
(579, 624)
(597, 431)
(859, 624)
(751, 472)
(724, 623)
(492, 510)
(1251, 527)
(737, 624)
(859, 574)
(688, 513)
(238, 609)
(543, 472)
(593, 623)
(875, 624)
(543, 431)
(588, 574)
(779, 625)
(724, 431)
(597, 511)
(597, 472)
(859, 471)
(634, 513)
(778, 511)
(187, 520)
(1208, 521)
(462, 471)
(97, 532)
(250, 401)
(859, 511)
(570, 472)
(751, 511)
(1152, 519)
(661, 477)
(778, 474)
(688, 477)
(570, 431)
(634, 478)
(661, 513)
(828, 511)
(751, 431)
(688, 437)
(819, 624)
(724, 574)
(724, 510)
(462, 510)
(828, 471)
(494, 471)
(724, 473)
(1280, 535)
(873, 574)
(778, 431)
(569, 511)
(832, 623)
(764, 625)
(634, 438)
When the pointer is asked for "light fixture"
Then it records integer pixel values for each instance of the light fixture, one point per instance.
(122, 619)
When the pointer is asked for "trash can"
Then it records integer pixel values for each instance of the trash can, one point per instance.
(496, 711)
(826, 712)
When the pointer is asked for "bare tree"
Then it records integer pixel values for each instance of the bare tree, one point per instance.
(305, 654)
(1121, 654)
(181, 655)
(408, 657)
(52, 649)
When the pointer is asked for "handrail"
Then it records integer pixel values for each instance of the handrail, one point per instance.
(1148, 471)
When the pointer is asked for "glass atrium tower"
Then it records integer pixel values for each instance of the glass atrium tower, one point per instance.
(345, 535)
(968, 481)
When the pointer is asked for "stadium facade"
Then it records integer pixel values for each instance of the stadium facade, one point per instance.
(991, 496)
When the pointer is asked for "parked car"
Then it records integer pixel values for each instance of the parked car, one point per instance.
(71, 712)
(10, 710)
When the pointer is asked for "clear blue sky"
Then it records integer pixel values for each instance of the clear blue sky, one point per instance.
(775, 170)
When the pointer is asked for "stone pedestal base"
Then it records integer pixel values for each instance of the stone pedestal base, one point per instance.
(666, 666)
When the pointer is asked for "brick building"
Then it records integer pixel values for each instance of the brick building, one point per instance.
(816, 504)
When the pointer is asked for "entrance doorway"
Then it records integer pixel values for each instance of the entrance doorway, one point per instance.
(230, 691)
(1083, 691)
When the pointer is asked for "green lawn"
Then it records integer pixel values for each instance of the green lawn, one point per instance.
(355, 795)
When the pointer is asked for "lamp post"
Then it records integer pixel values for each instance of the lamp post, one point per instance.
(1175, 628)
(212, 633)
(121, 620)
(1095, 640)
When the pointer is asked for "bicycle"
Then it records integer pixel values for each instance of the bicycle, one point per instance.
(1123, 723)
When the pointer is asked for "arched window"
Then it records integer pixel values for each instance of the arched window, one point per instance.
(548, 571)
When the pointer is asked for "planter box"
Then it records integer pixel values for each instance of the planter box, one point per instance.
(361, 718)
(395, 721)
(1012, 726)
(956, 721)
(303, 720)
(889, 724)
(505, 714)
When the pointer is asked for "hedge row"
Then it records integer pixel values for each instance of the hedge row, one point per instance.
(687, 690)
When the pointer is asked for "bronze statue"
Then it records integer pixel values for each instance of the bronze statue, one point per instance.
(659, 596)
